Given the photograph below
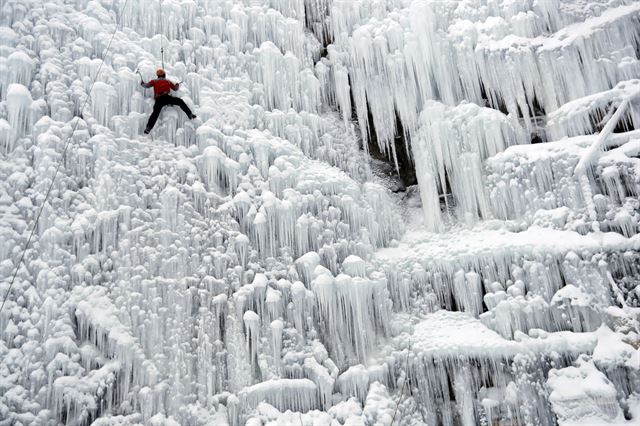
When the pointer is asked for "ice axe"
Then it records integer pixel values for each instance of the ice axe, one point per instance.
(138, 72)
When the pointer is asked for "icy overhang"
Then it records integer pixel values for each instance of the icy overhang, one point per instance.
(535, 240)
(444, 334)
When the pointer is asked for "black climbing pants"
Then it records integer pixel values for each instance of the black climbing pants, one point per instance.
(161, 102)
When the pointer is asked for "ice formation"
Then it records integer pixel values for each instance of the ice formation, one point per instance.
(264, 265)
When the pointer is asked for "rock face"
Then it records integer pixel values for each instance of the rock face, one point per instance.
(259, 266)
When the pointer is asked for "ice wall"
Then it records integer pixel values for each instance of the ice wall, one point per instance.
(254, 266)
(525, 60)
(434, 50)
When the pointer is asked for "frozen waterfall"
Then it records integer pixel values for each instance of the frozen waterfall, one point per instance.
(416, 212)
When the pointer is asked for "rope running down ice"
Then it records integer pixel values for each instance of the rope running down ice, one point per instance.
(161, 37)
(64, 152)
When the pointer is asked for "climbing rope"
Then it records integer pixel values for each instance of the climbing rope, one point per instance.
(161, 37)
(64, 153)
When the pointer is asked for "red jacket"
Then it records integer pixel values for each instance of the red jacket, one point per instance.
(161, 86)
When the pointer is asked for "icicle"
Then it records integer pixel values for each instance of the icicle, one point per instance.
(452, 144)
(104, 102)
(242, 247)
(354, 266)
(306, 264)
(21, 68)
(274, 303)
(354, 382)
(252, 324)
(298, 296)
(276, 342)
(18, 103)
(284, 394)
(468, 291)
(323, 380)
(6, 136)
(170, 199)
(213, 166)
(342, 301)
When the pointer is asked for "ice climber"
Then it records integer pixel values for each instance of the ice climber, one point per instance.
(161, 93)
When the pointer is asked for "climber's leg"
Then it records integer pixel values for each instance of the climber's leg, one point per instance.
(157, 107)
(179, 102)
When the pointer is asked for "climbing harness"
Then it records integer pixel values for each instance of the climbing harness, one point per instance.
(62, 157)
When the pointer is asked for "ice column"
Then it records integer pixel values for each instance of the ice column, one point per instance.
(18, 103)
(449, 149)
(104, 102)
(252, 325)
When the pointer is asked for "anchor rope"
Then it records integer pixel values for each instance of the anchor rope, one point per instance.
(62, 157)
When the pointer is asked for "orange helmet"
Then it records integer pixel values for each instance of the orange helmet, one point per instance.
(160, 72)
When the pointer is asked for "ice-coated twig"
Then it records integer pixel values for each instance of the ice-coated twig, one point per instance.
(591, 153)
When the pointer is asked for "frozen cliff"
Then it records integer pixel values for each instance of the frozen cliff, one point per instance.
(388, 212)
